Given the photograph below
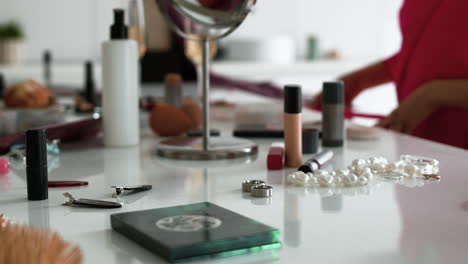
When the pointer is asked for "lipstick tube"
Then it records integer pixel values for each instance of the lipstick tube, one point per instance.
(36, 164)
(293, 125)
(275, 157)
(333, 114)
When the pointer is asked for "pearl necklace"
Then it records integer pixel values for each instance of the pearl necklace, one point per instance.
(363, 171)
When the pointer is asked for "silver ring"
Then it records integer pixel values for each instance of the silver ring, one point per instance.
(247, 185)
(262, 191)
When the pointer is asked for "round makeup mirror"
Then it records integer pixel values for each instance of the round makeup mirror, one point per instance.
(195, 19)
(200, 23)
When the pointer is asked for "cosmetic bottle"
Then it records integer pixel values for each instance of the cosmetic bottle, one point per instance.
(310, 141)
(173, 89)
(47, 65)
(36, 164)
(89, 92)
(86, 99)
(333, 114)
(293, 125)
(120, 86)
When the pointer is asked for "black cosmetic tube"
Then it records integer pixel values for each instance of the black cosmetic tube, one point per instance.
(36, 164)
(333, 114)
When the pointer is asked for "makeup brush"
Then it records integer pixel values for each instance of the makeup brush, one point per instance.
(23, 244)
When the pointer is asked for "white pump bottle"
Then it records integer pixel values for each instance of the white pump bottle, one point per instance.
(120, 102)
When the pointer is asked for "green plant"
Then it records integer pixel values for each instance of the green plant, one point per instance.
(11, 30)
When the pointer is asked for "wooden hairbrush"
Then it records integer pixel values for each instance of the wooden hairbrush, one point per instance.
(22, 244)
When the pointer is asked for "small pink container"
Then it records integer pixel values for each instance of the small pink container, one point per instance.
(4, 166)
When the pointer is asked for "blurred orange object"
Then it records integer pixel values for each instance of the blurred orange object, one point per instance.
(23, 244)
(193, 111)
(168, 120)
(28, 94)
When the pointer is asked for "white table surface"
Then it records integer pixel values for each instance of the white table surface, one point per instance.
(390, 223)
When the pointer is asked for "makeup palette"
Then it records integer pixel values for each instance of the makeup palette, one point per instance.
(195, 231)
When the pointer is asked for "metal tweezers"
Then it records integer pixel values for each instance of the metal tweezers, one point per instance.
(90, 203)
(120, 190)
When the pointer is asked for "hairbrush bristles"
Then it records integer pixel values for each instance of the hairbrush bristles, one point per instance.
(23, 244)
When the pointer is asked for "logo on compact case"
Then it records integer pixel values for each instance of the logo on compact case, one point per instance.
(188, 223)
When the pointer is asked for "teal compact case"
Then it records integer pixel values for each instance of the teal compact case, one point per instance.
(195, 230)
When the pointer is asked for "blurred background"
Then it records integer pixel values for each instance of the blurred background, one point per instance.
(294, 41)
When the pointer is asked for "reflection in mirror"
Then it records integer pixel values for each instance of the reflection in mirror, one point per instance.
(205, 16)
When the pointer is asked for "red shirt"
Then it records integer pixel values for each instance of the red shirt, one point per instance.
(435, 46)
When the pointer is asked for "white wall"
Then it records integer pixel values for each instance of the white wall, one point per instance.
(73, 29)
(357, 28)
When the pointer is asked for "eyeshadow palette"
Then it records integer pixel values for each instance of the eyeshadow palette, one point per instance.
(195, 230)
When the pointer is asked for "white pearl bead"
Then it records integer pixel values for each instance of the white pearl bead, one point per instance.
(325, 180)
(362, 180)
(332, 173)
(342, 172)
(368, 175)
(378, 167)
(301, 175)
(291, 178)
(410, 169)
(358, 170)
(338, 180)
(301, 179)
(373, 166)
(382, 160)
(392, 167)
(359, 162)
(351, 169)
(355, 162)
(362, 170)
(319, 173)
(374, 160)
(313, 181)
(350, 180)
(401, 165)
(382, 167)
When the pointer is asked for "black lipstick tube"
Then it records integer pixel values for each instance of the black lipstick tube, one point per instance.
(36, 164)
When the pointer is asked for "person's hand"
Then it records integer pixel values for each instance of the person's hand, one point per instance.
(411, 112)
(358, 81)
